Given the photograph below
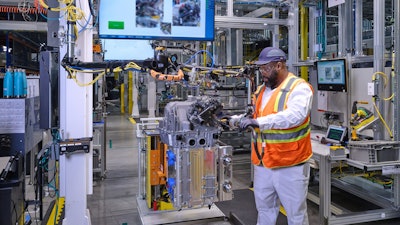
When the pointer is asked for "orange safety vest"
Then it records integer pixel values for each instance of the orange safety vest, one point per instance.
(280, 147)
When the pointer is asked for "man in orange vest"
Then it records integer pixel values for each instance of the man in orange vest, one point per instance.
(282, 144)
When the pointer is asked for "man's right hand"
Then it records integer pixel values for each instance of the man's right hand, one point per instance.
(235, 120)
(248, 122)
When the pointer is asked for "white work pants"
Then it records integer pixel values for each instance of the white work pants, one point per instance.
(286, 185)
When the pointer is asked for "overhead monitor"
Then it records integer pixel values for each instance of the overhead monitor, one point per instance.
(157, 19)
(336, 134)
(125, 49)
(332, 75)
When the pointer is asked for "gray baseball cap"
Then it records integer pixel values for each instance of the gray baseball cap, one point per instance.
(270, 54)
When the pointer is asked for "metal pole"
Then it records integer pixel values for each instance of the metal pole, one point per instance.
(70, 40)
(239, 47)
(229, 41)
(379, 48)
(293, 43)
(349, 91)
(76, 121)
(341, 31)
(312, 32)
(396, 114)
(396, 61)
(348, 26)
(275, 35)
(358, 27)
(304, 40)
(40, 183)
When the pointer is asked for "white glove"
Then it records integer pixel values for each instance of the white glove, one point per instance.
(235, 119)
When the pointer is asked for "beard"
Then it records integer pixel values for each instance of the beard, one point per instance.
(272, 80)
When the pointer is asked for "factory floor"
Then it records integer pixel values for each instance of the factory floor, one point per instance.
(114, 198)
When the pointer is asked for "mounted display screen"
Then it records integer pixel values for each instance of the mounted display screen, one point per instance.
(331, 75)
(157, 19)
(336, 134)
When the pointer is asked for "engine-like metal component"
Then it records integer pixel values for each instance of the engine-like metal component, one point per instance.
(199, 170)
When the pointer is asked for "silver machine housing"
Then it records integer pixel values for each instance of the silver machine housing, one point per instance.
(199, 168)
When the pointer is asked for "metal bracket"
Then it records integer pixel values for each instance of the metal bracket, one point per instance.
(74, 145)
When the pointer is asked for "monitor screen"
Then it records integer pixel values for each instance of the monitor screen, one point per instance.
(331, 75)
(125, 49)
(336, 134)
(157, 19)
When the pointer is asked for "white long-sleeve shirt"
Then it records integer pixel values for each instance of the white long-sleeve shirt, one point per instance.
(298, 108)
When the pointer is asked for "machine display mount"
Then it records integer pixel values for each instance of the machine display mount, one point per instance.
(336, 134)
(332, 75)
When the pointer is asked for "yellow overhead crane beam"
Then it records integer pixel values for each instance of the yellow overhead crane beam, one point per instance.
(304, 39)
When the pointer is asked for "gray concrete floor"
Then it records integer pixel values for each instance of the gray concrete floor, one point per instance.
(114, 198)
(113, 201)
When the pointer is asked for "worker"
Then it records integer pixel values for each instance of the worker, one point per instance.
(282, 145)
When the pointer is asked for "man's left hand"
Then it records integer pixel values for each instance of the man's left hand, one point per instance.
(246, 122)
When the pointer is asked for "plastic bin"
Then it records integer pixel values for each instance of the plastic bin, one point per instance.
(374, 151)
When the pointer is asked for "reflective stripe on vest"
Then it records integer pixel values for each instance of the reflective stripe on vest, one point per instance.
(254, 97)
(282, 147)
(259, 88)
(284, 93)
(287, 135)
(283, 136)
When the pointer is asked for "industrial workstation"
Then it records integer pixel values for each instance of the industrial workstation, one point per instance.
(222, 112)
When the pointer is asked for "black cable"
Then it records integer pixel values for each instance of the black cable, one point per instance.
(50, 181)
(91, 9)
